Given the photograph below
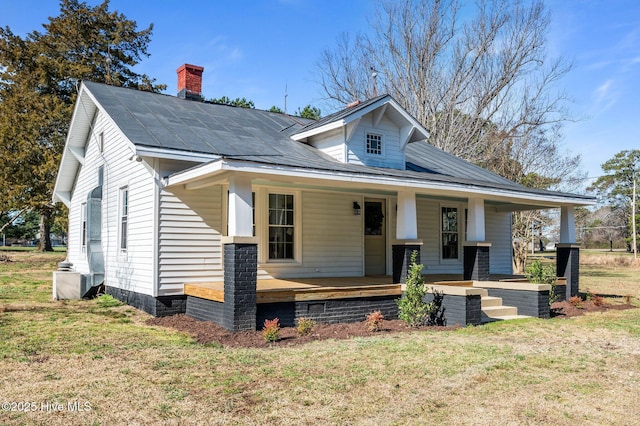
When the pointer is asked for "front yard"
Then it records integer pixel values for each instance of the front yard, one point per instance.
(78, 362)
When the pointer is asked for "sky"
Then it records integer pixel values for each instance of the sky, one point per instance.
(264, 49)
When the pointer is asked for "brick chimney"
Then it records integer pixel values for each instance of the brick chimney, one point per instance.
(190, 82)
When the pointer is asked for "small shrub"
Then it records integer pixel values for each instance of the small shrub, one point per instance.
(539, 273)
(271, 330)
(305, 325)
(374, 321)
(589, 295)
(628, 298)
(108, 301)
(597, 300)
(576, 301)
(411, 308)
(435, 310)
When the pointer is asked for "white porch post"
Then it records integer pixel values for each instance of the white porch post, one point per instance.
(407, 219)
(240, 259)
(406, 235)
(240, 207)
(475, 220)
(475, 253)
(567, 225)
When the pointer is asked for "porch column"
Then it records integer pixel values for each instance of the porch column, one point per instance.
(568, 252)
(240, 259)
(475, 253)
(406, 241)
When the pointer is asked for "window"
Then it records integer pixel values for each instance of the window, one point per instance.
(83, 237)
(281, 226)
(374, 144)
(124, 217)
(449, 232)
(101, 142)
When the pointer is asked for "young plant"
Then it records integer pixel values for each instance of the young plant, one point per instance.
(305, 325)
(271, 330)
(539, 273)
(435, 310)
(108, 301)
(576, 301)
(597, 300)
(374, 321)
(411, 308)
(628, 298)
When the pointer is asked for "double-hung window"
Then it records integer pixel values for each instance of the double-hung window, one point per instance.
(281, 227)
(449, 233)
(124, 219)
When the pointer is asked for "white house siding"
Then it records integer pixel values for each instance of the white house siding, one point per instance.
(428, 211)
(331, 143)
(498, 233)
(190, 249)
(134, 270)
(392, 156)
(332, 238)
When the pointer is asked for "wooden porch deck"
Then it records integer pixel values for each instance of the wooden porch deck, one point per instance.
(304, 289)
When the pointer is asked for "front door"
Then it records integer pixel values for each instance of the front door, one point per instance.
(375, 242)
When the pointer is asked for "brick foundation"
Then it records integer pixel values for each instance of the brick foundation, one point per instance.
(401, 256)
(240, 274)
(157, 306)
(476, 261)
(568, 265)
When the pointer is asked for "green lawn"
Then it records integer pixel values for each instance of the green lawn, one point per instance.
(561, 372)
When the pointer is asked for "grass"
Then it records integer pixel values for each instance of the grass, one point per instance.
(586, 369)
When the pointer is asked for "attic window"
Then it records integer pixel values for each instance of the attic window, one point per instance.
(374, 144)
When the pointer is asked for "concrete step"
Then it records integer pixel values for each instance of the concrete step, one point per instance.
(488, 301)
(499, 311)
(502, 318)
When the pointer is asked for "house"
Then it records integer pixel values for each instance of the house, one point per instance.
(236, 215)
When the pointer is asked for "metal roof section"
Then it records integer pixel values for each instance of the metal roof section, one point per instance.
(229, 139)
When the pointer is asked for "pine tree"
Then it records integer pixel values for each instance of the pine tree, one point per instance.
(38, 88)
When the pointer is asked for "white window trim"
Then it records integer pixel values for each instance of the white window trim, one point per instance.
(262, 226)
(123, 253)
(461, 234)
(83, 230)
(382, 144)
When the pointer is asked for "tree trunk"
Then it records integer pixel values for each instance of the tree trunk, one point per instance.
(45, 230)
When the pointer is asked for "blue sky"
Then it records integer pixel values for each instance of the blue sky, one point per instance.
(256, 49)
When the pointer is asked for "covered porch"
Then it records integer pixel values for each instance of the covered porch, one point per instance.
(352, 298)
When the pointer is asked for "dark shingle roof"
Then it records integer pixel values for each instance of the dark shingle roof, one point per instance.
(161, 121)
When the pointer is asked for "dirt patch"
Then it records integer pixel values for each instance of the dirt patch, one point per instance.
(4, 258)
(567, 310)
(206, 332)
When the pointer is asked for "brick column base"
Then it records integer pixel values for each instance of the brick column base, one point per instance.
(401, 255)
(476, 261)
(568, 266)
(240, 275)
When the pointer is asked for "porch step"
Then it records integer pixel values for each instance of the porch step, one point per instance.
(499, 311)
(489, 301)
(502, 318)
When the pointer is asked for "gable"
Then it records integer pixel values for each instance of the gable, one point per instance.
(374, 133)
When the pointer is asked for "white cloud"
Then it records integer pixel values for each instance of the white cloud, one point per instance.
(605, 96)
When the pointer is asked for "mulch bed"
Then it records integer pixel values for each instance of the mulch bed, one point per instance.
(567, 310)
(206, 332)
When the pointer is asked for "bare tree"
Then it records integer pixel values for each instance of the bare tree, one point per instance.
(481, 83)
(459, 78)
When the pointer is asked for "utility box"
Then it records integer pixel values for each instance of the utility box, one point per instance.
(67, 285)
